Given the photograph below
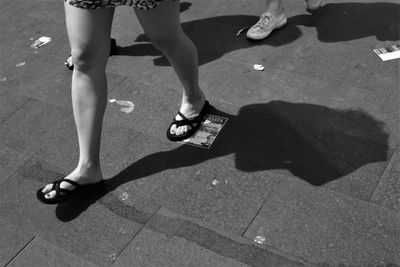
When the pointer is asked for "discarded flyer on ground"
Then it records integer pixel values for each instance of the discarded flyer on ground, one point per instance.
(40, 42)
(207, 132)
(388, 53)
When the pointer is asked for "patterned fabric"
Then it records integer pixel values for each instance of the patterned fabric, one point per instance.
(96, 4)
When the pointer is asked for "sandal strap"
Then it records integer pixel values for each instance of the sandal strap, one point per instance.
(186, 121)
(70, 181)
(57, 186)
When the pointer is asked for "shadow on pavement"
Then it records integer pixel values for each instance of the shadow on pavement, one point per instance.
(350, 21)
(216, 36)
(213, 38)
(315, 143)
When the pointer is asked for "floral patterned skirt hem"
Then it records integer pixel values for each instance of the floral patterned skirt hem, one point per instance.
(97, 4)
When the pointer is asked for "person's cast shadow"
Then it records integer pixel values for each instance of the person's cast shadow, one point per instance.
(316, 144)
(334, 22)
(350, 21)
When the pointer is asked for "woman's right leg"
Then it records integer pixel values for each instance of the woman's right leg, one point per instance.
(89, 36)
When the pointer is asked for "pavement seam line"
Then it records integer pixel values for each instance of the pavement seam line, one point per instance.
(135, 235)
(388, 165)
(19, 252)
(19, 108)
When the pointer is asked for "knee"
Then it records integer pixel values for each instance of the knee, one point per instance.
(85, 59)
(167, 42)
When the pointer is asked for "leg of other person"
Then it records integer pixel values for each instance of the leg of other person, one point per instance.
(273, 18)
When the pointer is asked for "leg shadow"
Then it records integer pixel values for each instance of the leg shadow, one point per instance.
(315, 143)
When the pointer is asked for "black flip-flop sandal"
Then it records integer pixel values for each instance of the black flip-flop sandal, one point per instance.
(113, 50)
(194, 123)
(63, 195)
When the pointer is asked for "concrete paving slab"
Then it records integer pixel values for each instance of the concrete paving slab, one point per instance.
(170, 239)
(154, 249)
(13, 240)
(152, 114)
(45, 78)
(325, 227)
(387, 192)
(42, 253)
(10, 161)
(203, 186)
(9, 103)
(347, 146)
(80, 226)
(53, 136)
(43, 19)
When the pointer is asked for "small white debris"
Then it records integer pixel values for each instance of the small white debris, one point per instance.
(226, 181)
(258, 67)
(259, 239)
(198, 172)
(40, 42)
(3, 79)
(112, 257)
(242, 30)
(126, 106)
(21, 64)
(215, 182)
(122, 231)
(124, 196)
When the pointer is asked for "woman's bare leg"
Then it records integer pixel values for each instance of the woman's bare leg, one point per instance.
(162, 26)
(89, 36)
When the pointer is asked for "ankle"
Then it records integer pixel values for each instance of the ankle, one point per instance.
(194, 97)
(274, 12)
(88, 165)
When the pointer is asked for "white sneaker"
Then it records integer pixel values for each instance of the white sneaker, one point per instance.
(313, 4)
(265, 25)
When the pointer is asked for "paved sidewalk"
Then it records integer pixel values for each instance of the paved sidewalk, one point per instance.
(305, 173)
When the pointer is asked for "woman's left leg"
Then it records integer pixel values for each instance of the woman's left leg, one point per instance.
(163, 27)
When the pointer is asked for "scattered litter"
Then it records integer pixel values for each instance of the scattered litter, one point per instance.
(242, 30)
(198, 172)
(258, 67)
(215, 182)
(207, 132)
(259, 239)
(388, 53)
(226, 181)
(40, 42)
(127, 106)
(122, 231)
(124, 196)
(69, 63)
(112, 257)
(20, 64)
(3, 79)
(31, 38)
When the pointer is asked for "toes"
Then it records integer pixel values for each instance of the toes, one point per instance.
(173, 129)
(50, 195)
(47, 188)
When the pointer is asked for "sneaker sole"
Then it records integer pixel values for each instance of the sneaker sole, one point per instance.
(279, 25)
